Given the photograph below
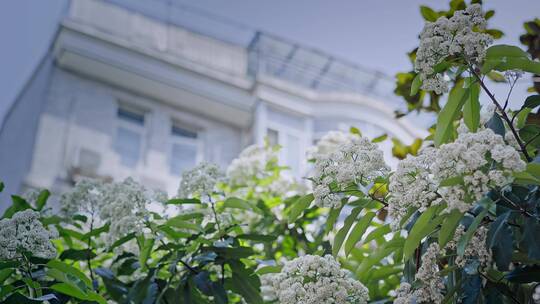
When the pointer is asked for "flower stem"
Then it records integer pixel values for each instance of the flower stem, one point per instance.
(503, 114)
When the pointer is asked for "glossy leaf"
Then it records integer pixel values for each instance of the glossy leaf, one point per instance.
(448, 227)
(358, 231)
(450, 112)
(471, 108)
(532, 102)
(237, 203)
(342, 233)
(428, 13)
(500, 240)
(423, 226)
(299, 206)
(464, 240)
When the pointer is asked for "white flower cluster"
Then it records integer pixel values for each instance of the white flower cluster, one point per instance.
(482, 160)
(121, 204)
(200, 181)
(358, 161)
(124, 208)
(25, 233)
(445, 37)
(250, 165)
(317, 280)
(85, 198)
(430, 282)
(412, 185)
(330, 143)
(268, 292)
(476, 251)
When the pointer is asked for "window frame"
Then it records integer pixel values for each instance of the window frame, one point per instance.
(184, 140)
(142, 130)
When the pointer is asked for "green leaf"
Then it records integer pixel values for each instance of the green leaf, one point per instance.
(533, 169)
(525, 178)
(464, 240)
(416, 83)
(299, 206)
(233, 253)
(145, 249)
(471, 108)
(144, 290)
(19, 204)
(355, 130)
(268, 269)
(378, 233)
(449, 226)
(342, 233)
(496, 124)
(450, 112)
(333, 215)
(41, 200)
(70, 290)
(77, 254)
(122, 241)
(358, 231)
(178, 222)
(237, 203)
(183, 201)
(5, 274)
(257, 237)
(532, 102)
(96, 231)
(424, 225)
(1, 186)
(531, 238)
(245, 283)
(67, 269)
(496, 76)
(496, 34)
(210, 288)
(428, 13)
(190, 216)
(525, 274)
(500, 240)
(529, 133)
(452, 181)
(18, 298)
(505, 51)
(379, 139)
(116, 289)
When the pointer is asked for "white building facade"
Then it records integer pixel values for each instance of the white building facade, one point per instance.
(125, 94)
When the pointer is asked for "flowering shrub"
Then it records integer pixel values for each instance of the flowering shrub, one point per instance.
(458, 220)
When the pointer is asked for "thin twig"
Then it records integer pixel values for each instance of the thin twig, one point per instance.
(503, 114)
(88, 260)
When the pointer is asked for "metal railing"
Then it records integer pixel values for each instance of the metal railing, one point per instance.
(273, 56)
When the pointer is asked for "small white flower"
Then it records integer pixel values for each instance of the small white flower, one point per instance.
(200, 181)
(357, 161)
(25, 233)
(447, 37)
(313, 279)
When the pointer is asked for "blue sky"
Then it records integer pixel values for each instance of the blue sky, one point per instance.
(372, 33)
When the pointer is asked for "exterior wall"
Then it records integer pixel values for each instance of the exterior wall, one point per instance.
(80, 114)
(17, 133)
(105, 56)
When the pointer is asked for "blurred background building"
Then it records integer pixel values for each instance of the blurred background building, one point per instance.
(140, 88)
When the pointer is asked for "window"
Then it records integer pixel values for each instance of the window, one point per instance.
(289, 131)
(184, 149)
(272, 136)
(129, 136)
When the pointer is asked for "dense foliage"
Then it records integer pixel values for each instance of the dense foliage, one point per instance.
(458, 220)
